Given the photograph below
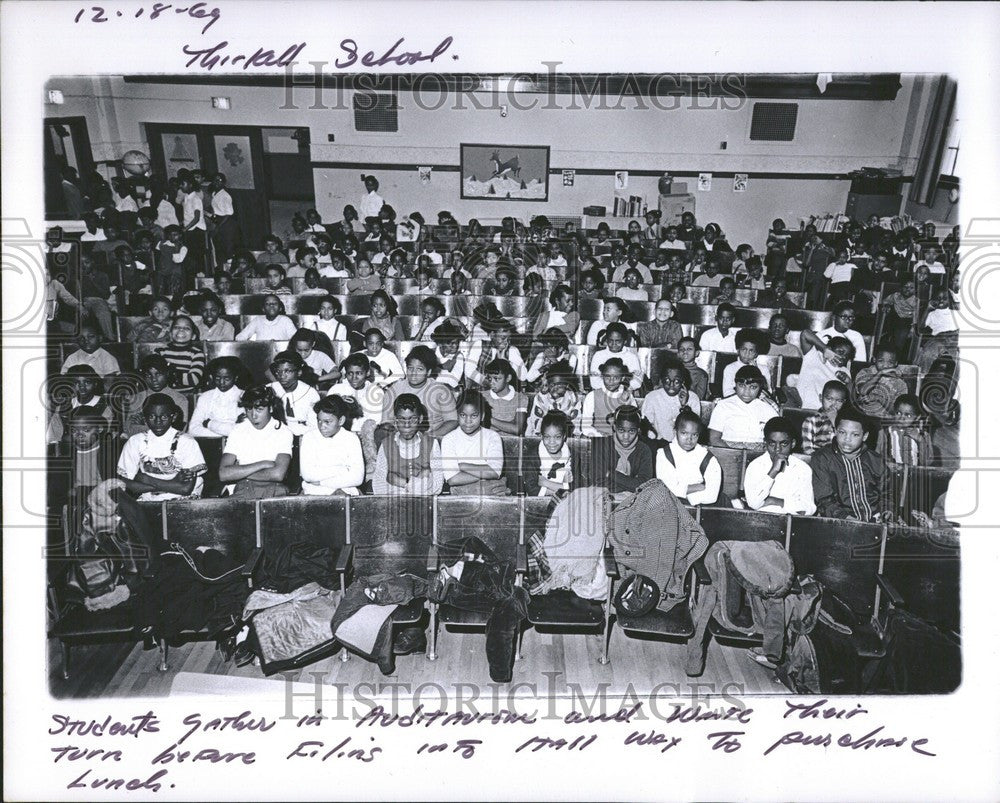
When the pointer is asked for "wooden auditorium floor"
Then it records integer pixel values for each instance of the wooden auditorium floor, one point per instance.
(555, 663)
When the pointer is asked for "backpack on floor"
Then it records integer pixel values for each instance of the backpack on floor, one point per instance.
(820, 657)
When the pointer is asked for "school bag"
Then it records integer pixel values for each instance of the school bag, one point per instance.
(759, 573)
(820, 657)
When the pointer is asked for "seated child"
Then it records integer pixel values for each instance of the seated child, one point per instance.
(820, 366)
(330, 457)
(591, 284)
(555, 348)
(155, 372)
(701, 262)
(662, 406)
(472, 455)
(747, 351)
(91, 352)
(312, 284)
(155, 328)
(318, 368)
(409, 460)
(603, 400)
(843, 318)
(906, 440)
(613, 312)
(297, 399)
(217, 410)
(386, 367)
(258, 451)
(384, 317)
(276, 282)
(326, 321)
(365, 281)
(305, 259)
(776, 296)
(632, 290)
(662, 331)
(840, 273)
(901, 313)
(687, 468)
(777, 338)
(272, 252)
(184, 354)
(778, 481)
(337, 265)
(452, 363)
(94, 453)
(688, 352)
(818, 428)
(877, 387)
(559, 394)
(727, 293)
(622, 462)
(940, 331)
(848, 477)
(368, 396)
(432, 315)
(722, 336)
(210, 326)
(88, 391)
(508, 406)
(499, 346)
(168, 279)
(162, 462)
(547, 470)
(738, 420)
(273, 325)
(614, 338)
(437, 398)
(561, 315)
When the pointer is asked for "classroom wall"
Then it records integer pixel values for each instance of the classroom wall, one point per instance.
(832, 136)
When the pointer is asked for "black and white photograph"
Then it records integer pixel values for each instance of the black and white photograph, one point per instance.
(322, 409)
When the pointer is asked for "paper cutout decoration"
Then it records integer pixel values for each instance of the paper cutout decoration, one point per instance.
(569, 178)
(621, 179)
(740, 182)
(424, 173)
(704, 182)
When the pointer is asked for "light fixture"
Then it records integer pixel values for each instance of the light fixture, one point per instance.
(220, 103)
(55, 96)
(822, 80)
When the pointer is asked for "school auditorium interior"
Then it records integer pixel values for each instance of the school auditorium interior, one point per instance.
(579, 380)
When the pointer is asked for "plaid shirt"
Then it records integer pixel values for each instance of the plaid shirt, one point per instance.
(817, 431)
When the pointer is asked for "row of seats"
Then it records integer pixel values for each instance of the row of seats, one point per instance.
(257, 356)
(590, 309)
(867, 566)
(438, 287)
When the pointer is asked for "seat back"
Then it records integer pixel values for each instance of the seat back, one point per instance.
(315, 520)
(582, 454)
(730, 524)
(925, 567)
(845, 556)
(256, 355)
(512, 445)
(731, 463)
(495, 521)
(390, 534)
(228, 525)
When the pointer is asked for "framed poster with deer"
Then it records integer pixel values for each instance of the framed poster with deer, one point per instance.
(505, 172)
